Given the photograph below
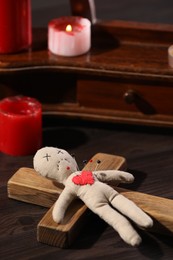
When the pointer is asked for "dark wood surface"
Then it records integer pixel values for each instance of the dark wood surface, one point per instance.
(148, 152)
(149, 157)
(94, 85)
(124, 56)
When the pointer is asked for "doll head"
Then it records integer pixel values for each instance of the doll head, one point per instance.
(54, 163)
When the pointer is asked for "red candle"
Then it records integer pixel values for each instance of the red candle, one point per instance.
(20, 125)
(15, 25)
(69, 36)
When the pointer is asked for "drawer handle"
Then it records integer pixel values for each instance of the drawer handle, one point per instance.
(132, 97)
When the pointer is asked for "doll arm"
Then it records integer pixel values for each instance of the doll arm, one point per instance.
(61, 205)
(114, 176)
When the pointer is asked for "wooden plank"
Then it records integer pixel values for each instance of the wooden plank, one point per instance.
(26, 185)
(63, 235)
(159, 208)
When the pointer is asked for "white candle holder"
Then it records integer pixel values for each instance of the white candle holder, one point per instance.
(69, 36)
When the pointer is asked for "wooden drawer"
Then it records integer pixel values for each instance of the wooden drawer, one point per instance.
(125, 78)
(146, 98)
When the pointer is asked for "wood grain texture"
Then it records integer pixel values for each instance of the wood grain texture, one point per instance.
(124, 56)
(63, 235)
(118, 47)
(112, 41)
(26, 185)
(148, 152)
(160, 209)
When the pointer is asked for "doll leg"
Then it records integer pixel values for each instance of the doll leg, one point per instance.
(119, 223)
(131, 210)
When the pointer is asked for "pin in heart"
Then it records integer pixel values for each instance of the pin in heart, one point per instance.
(86, 177)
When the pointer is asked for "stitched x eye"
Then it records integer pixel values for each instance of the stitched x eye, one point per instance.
(67, 160)
(47, 157)
(59, 151)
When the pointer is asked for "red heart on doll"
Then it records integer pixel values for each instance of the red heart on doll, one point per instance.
(86, 177)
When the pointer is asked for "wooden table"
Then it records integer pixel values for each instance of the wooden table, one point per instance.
(148, 150)
(149, 157)
(124, 78)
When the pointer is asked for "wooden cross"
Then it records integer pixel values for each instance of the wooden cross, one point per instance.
(26, 185)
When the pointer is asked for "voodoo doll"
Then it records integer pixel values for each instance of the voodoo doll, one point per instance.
(93, 189)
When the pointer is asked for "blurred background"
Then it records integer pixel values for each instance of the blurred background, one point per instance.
(150, 11)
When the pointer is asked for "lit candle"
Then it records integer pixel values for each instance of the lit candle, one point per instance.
(69, 36)
(20, 125)
(15, 25)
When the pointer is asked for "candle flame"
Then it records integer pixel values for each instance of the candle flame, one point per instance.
(68, 28)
